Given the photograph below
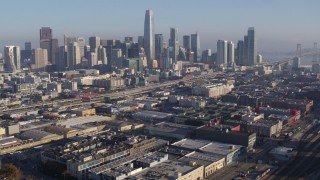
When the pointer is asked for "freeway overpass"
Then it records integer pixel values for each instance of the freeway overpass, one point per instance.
(99, 98)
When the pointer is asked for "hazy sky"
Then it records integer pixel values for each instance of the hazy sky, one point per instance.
(279, 24)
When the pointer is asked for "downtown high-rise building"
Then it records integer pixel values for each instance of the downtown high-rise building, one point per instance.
(240, 55)
(73, 56)
(26, 53)
(94, 43)
(140, 41)
(247, 49)
(252, 47)
(222, 52)
(82, 43)
(166, 62)
(67, 39)
(92, 59)
(45, 34)
(186, 42)
(195, 46)
(128, 39)
(54, 50)
(158, 46)
(190, 56)
(182, 54)
(62, 62)
(50, 44)
(207, 56)
(39, 59)
(230, 56)
(174, 43)
(102, 55)
(45, 39)
(27, 46)
(12, 58)
(149, 40)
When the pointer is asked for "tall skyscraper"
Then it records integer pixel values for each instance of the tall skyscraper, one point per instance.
(186, 42)
(245, 51)
(51, 45)
(92, 59)
(54, 50)
(12, 58)
(62, 62)
(182, 54)
(39, 59)
(252, 47)
(67, 39)
(27, 46)
(26, 53)
(102, 54)
(174, 43)
(230, 56)
(207, 56)
(240, 51)
(195, 46)
(45, 33)
(74, 59)
(221, 52)
(158, 46)
(149, 37)
(190, 56)
(116, 58)
(94, 43)
(166, 60)
(141, 41)
(82, 43)
(128, 39)
(45, 40)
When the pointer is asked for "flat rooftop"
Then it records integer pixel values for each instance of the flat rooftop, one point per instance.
(220, 148)
(166, 170)
(172, 127)
(191, 143)
(154, 114)
(202, 158)
(153, 157)
(82, 120)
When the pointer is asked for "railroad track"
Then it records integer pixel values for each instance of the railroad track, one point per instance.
(301, 165)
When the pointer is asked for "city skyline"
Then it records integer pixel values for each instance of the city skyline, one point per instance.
(288, 25)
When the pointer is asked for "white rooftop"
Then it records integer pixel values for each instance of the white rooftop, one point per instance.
(191, 143)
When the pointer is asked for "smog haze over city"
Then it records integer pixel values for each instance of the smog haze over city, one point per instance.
(281, 23)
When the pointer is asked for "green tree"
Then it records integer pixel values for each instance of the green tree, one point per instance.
(10, 171)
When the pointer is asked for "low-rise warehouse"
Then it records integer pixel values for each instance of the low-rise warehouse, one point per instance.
(37, 135)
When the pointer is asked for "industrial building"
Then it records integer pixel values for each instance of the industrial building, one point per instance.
(170, 130)
(211, 162)
(98, 154)
(171, 170)
(230, 152)
(152, 116)
(225, 136)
